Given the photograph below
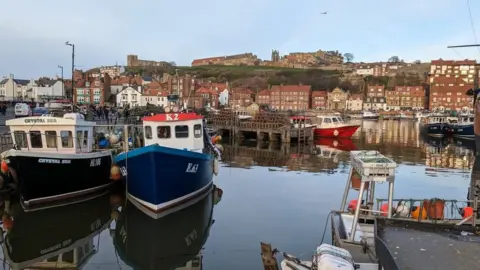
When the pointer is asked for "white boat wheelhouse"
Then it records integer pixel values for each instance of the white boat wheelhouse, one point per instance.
(69, 134)
(175, 130)
(329, 121)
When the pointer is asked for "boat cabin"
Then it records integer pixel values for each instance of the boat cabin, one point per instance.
(69, 134)
(329, 120)
(435, 119)
(175, 130)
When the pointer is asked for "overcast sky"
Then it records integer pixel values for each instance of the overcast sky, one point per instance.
(33, 33)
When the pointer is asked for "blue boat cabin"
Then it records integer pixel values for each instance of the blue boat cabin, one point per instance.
(175, 130)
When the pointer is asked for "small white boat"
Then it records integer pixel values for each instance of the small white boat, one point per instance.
(368, 115)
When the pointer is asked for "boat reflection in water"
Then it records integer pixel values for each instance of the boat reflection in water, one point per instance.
(171, 242)
(58, 237)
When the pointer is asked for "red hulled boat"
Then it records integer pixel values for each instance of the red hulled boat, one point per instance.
(334, 127)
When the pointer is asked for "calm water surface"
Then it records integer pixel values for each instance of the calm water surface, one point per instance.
(280, 195)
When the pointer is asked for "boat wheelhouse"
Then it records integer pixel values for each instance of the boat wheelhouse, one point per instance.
(463, 127)
(333, 126)
(176, 164)
(48, 150)
(435, 125)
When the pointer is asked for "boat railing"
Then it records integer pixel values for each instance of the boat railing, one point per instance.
(434, 209)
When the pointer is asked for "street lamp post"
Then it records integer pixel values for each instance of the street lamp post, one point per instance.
(63, 84)
(73, 64)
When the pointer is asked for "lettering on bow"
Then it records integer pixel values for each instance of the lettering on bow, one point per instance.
(95, 162)
(192, 168)
(172, 117)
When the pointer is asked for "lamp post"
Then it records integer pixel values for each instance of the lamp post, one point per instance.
(73, 64)
(63, 84)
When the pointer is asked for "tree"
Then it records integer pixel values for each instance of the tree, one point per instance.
(394, 59)
(173, 63)
(349, 57)
(417, 62)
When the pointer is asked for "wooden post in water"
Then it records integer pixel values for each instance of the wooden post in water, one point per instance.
(268, 258)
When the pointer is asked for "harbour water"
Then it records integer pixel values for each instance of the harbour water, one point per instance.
(280, 195)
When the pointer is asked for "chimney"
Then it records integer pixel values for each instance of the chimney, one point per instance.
(139, 88)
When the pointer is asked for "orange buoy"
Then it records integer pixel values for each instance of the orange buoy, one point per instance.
(384, 209)
(4, 167)
(352, 205)
(416, 212)
(115, 173)
(467, 212)
(7, 222)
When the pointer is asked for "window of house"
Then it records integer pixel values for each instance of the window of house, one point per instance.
(36, 139)
(148, 132)
(51, 138)
(21, 139)
(66, 137)
(181, 131)
(197, 131)
(163, 132)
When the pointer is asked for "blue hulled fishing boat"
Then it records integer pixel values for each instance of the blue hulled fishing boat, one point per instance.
(435, 126)
(176, 164)
(464, 127)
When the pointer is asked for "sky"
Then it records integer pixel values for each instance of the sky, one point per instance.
(33, 33)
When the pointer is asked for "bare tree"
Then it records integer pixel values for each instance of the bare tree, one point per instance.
(349, 57)
(394, 59)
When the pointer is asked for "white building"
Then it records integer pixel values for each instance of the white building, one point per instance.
(154, 97)
(130, 97)
(55, 91)
(375, 104)
(364, 70)
(355, 103)
(12, 89)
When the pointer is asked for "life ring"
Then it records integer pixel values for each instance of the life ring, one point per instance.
(335, 133)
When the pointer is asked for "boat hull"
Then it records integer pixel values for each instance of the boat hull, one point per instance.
(160, 178)
(463, 131)
(435, 130)
(339, 132)
(49, 177)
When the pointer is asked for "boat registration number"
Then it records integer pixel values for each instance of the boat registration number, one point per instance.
(460, 129)
(434, 127)
(95, 162)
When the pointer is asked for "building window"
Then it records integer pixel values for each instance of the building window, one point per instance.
(197, 131)
(20, 139)
(36, 139)
(148, 132)
(163, 132)
(181, 131)
(51, 138)
(67, 138)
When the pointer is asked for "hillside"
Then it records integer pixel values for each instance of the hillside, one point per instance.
(255, 77)
(260, 77)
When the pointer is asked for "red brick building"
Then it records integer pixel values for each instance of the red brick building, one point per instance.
(449, 80)
(290, 97)
(319, 100)
(375, 91)
(448, 93)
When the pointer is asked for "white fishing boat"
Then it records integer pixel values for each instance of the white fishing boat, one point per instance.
(48, 150)
(368, 115)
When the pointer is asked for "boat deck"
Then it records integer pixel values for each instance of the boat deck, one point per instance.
(413, 248)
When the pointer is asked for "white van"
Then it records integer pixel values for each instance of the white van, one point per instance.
(22, 110)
